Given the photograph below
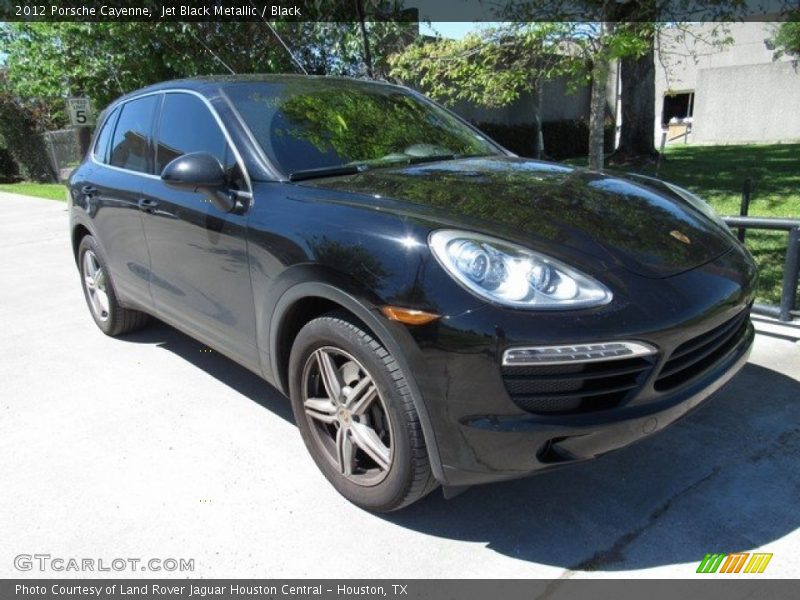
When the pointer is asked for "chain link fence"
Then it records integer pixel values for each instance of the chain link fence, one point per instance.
(63, 151)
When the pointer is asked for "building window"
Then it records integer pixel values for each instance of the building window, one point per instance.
(678, 107)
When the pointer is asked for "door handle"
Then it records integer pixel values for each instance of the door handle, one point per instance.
(147, 205)
(88, 190)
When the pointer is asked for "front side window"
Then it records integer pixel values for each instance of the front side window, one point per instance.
(187, 125)
(104, 136)
(129, 148)
(312, 124)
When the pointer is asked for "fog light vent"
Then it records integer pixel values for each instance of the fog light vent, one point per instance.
(575, 354)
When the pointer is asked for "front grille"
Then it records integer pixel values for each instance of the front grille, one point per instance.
(692, 358)
(585, 387)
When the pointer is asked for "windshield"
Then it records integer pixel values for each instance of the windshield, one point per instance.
(324, 124)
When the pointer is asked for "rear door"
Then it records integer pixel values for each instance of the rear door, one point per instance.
(198, 254)
(122, 162)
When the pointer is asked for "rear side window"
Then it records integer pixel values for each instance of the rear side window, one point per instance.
(104, 136)
(129, 148)
(186, 126)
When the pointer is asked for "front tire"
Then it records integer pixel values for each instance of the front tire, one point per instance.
(353, 406)
(101, 298)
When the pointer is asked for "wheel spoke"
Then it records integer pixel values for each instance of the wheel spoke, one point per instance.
(344, 451)
(321, 409)
(88, 267)
(89, 282)
(365, 438)
(102, 301)
(93, 265)
(100, 279)
(330, 375)
(362, 396)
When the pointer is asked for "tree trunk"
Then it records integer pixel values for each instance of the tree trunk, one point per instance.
(597, 107)
(363, 26)
(636, 141)
(638, 78)
(538, 142)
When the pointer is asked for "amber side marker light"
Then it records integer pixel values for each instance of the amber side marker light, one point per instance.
(407, 315)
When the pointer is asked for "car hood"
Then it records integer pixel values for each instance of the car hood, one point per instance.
(646, 228)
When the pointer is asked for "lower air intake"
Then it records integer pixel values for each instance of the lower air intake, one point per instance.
(575, 388)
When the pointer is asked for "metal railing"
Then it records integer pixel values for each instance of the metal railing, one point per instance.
(791, 266)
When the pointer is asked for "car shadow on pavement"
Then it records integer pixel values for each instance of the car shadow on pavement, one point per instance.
(724, 479)
(215, 364)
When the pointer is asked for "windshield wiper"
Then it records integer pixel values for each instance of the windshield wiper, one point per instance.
(415, 160)
(354, 168)
(434, 157)
(327, 172)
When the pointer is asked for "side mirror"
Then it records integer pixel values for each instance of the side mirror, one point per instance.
(200, 172)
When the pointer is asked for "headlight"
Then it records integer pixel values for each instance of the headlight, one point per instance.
(509, 274)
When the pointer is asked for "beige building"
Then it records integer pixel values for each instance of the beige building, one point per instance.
(734, 95)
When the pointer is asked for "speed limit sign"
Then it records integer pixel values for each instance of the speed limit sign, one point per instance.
(80, 112)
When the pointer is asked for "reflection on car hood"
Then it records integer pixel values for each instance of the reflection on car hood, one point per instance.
(647, 230)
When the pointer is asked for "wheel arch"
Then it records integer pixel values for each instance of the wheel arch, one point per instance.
(305, 301)
(79, 231)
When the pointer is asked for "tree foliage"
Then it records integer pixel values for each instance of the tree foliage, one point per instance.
(19, 135)
(47, 62)
(492, 67)
(786, 40)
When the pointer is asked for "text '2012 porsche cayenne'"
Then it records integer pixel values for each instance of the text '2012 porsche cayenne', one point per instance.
(439, 311)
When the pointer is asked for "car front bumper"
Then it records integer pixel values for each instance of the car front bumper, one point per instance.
(515, 446)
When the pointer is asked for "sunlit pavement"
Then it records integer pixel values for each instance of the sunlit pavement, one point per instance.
(148, 447)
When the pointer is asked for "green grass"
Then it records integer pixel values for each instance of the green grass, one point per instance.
(51, 191)
(769, 250)
(717, 174)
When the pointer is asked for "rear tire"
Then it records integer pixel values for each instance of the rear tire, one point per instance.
(101, 298)
(353, 406)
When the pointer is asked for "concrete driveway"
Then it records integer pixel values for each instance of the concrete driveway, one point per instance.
(151, 447)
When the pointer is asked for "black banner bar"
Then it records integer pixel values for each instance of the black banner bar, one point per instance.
(385, 10)
(715, 587)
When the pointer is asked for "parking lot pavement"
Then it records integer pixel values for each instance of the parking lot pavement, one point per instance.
(148, 447)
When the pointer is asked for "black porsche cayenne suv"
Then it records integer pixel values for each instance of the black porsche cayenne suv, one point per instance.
(438, 310)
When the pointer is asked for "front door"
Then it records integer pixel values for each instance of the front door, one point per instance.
(121, 164)
(200, 276)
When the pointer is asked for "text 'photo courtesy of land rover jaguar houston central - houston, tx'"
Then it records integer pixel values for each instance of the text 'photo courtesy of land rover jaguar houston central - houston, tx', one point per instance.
(438, 310)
